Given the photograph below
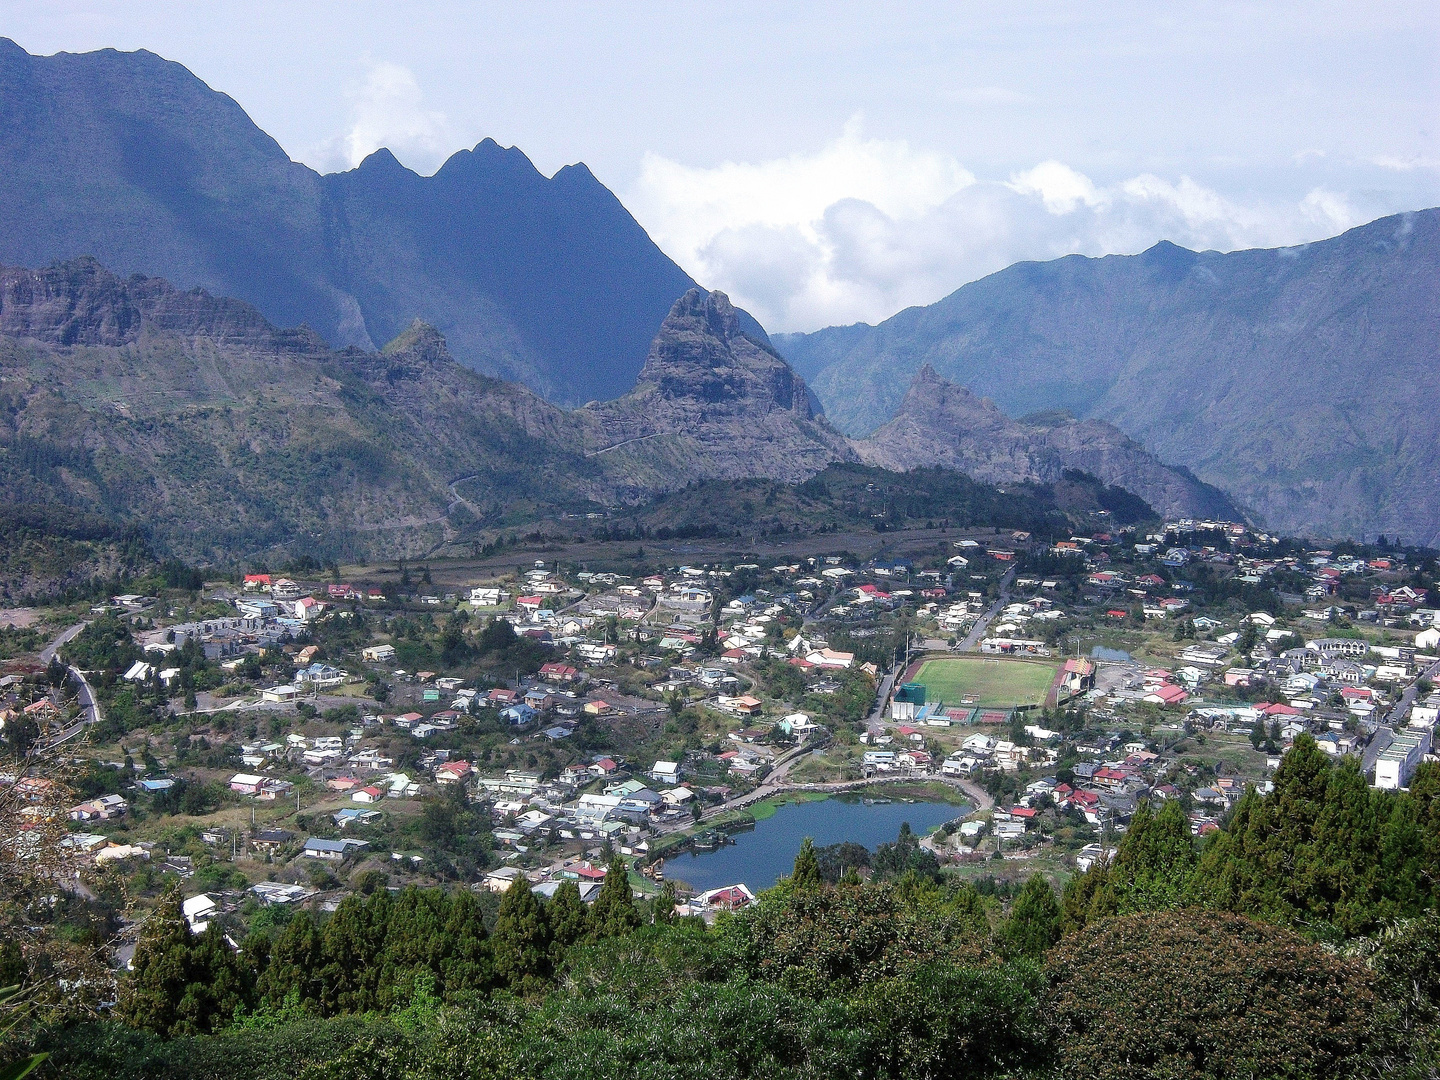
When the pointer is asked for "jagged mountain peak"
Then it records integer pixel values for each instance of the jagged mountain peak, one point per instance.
(940, 422)
(703, 355)
(420, 341)
(714, 398)
(135, 160)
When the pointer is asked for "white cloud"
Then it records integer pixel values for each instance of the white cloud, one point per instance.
(387, 109)
(1406, 164)
(864, 227)
(1060, 187)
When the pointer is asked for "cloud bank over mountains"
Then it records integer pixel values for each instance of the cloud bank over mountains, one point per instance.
(387, 108)
(865, 226)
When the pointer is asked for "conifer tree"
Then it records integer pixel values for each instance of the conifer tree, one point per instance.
(521, 940)
(469, 964)
(1087, 898)
(1154, 861)
(806, 874)
(351, 943)
(1034, 923)
(161, 966)
(569, 920)
(662, 908)
(219, 984)
(296, 961)
(614, 912)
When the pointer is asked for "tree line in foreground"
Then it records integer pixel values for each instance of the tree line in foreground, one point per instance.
(1302, 940)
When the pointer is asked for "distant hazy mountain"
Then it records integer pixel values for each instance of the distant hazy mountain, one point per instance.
(942, 424)
(132, 159)
(1302, 381)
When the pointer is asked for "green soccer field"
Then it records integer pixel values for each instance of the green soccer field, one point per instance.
(971, 680)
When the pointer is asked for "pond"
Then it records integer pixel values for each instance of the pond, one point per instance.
(761, 856)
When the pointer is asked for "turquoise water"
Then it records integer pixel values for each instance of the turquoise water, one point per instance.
(761, 856)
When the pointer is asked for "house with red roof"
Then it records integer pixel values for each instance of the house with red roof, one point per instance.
(1280, 710)
(452, 772)
(1165, 694)
(730, 898)
(557, 672)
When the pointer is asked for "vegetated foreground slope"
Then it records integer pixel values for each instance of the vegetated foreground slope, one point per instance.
(1299, 380)
(133, 160)
(194, 420)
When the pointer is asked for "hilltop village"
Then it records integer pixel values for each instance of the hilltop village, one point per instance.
(279, 739)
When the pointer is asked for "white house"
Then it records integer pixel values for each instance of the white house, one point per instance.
(198, 911)
(247, 783)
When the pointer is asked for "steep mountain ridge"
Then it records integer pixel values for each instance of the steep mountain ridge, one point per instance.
(1298, 380)
(195, 420)
(713, 400)
(131, 159)
(940, 423)
(218, 442)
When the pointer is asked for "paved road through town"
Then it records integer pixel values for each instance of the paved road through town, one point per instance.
(85, 694)
(972, 639)
(1394, 717)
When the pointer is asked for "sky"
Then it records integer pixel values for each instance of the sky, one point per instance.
(833, 163)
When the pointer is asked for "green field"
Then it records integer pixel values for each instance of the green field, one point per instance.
(974, 681)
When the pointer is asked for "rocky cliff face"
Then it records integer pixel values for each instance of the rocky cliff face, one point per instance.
(81, 303)
(713, 400)
(940, 423)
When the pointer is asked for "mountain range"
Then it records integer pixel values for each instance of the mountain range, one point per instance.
(1296, 381)
(1301, 381)
(195, 420)
(131, 159)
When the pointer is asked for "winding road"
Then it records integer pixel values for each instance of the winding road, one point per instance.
(85, 694)
(775, 784)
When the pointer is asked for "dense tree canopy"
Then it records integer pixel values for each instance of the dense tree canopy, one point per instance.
(1203, 994)
(1176, 959)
